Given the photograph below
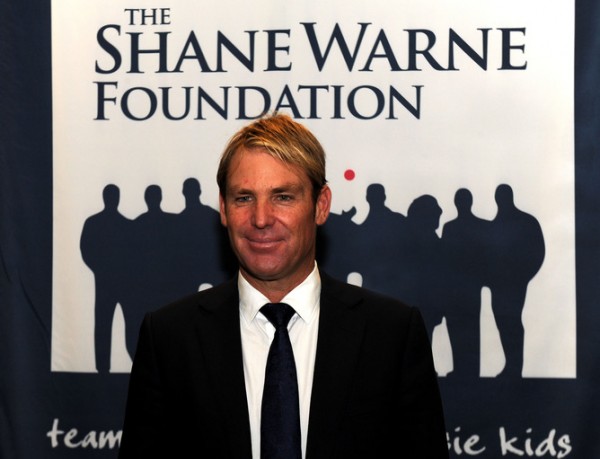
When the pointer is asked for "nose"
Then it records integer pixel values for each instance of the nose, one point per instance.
(262, 216)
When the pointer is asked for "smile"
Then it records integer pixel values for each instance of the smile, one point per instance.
(263, 244)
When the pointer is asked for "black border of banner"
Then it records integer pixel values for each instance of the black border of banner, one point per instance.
(587, 219)
(31, 395)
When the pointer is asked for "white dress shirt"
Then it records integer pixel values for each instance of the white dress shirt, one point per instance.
(257, 333)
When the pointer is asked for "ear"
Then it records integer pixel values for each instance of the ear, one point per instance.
(222, 212)
(323, 205)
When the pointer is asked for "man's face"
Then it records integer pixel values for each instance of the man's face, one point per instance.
(271, 218)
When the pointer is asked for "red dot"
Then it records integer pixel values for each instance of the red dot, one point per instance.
(349, 174)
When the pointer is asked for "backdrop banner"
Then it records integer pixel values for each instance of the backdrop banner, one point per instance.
(460, 141)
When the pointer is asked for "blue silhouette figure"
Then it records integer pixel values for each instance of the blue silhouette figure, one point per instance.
(381, 246)
(465, 242)
(336, 245)
(423, 257)
(517, 253)
(104, 244)
(204, 256)
(153, 274)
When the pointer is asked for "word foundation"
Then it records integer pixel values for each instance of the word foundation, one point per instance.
(364, 102)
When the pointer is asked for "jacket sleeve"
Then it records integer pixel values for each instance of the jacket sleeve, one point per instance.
(144, 413)
(420, 401)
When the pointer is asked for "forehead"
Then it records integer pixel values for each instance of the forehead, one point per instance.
(257, 166)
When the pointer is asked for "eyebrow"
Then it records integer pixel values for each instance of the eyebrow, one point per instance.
(289, 188)
(283, 188)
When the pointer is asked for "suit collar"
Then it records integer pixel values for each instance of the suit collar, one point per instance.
(221, 347)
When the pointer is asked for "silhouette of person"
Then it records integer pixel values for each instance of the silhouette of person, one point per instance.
(518, 251)
(423, 257)
(154, 275)
(103, 246)
(381, 237)
(336, 250)
(204, 255)
(465, 247)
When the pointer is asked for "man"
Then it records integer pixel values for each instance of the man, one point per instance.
(366, 386)
(104, 241)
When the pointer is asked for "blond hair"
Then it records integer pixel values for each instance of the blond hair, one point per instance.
(284, 139)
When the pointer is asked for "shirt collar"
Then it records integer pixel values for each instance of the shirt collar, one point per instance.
(304, 298)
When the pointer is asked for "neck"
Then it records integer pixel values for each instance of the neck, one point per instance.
(276, 289)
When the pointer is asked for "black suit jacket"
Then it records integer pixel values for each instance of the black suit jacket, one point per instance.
(374, 395)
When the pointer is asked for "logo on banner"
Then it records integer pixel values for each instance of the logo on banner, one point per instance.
(142, 43)
(403, 256)
(144, 263)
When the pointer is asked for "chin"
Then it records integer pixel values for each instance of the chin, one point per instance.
(264, 274)
(263, 271)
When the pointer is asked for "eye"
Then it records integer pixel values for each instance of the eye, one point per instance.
(243, 199)
(284, 197)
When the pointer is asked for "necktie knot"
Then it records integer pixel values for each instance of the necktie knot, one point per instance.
(279, 314)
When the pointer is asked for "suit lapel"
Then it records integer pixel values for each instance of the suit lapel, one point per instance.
(221, 345)
(340, 337)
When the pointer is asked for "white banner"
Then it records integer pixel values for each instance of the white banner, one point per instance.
(422, 97)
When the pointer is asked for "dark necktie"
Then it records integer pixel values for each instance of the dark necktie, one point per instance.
(280, 417)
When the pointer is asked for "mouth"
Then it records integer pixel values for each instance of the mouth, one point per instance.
(263, 243)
